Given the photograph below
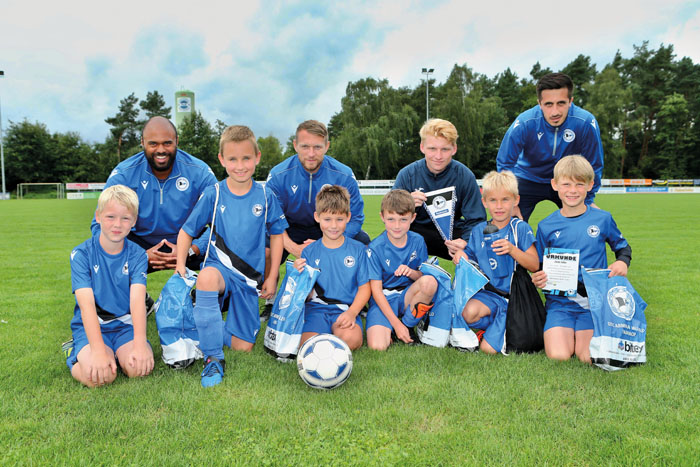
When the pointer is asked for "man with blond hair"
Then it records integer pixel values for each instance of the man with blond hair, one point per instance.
(438, 170)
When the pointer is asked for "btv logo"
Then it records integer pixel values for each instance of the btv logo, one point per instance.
(630, 347)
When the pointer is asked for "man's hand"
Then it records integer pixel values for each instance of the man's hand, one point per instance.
(418, 197)
(297, 248)
(160, 260)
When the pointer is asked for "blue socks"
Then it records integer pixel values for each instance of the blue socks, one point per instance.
(210, 326)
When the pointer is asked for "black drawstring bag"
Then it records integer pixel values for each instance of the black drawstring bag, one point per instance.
(526, 314)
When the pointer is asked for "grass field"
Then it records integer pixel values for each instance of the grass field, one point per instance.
(407, 406)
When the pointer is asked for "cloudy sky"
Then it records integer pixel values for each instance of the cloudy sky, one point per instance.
(271, 65)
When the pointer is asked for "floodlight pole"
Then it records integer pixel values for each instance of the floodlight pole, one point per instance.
(2, 147)
(427, 72)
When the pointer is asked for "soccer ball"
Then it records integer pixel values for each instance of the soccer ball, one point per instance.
(324, 361)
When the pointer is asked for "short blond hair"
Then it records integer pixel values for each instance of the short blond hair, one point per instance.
(398, 201)
(576, 168)
(236, 134)
(499, 181)
(313, 127)
(334, 199)
(121, 194)
(440, 129)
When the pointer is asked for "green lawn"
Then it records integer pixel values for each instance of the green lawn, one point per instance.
(407, 406)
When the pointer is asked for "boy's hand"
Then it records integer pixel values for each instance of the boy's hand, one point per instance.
(101, 364)
(403, 270)
(299, 264)
(539, 278)
(402, 333)
(618, 268)
(458, 255)
(502, 247)
(453, 246)
(269, 288)
(141, 358)
(345, 320)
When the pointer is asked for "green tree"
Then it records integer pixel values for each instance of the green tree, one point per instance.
(607, 100)
(582, 73)
(197, 137)
(271, 151)
(29, 155)
(154, 106)
(674, 137)
(508, 90)
(125, 125)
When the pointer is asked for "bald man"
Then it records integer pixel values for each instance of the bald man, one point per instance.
(168, 183)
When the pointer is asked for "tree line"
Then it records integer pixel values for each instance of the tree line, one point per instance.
(647, 107)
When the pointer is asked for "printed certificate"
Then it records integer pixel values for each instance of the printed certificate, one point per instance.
(561, 266)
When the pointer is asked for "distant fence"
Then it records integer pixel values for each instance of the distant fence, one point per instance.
(381, 187)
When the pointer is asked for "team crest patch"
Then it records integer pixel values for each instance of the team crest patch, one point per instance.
(125, 269)
(439, 202)
(257, 210)
(493, 263)
(182, 184)
(593, 231)
(621, 302)
(349, 261)
(569, 135)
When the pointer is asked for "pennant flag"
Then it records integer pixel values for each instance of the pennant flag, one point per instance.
(441, 208)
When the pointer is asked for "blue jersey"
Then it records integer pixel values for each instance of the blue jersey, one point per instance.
(110, 277)
(587, 233)
(531, 147)
(498, 268)
(240, 227)
(296, 190)
(384, 258)
(343, 271)
(163, 206)
(468, 208)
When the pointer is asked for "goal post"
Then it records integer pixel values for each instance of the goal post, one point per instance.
(40, 190)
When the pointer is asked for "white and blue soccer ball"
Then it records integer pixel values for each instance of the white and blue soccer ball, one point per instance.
(324, 361)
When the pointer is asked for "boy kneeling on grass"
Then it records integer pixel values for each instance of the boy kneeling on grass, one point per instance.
(342, 288)
(568, 329)
(396, 283)
(108, 275)
(235, 266)
(497, 258)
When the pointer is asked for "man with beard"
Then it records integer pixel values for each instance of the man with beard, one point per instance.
(168, 182)
(544, 134)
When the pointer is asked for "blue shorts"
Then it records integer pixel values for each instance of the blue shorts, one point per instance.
(114, 338)
(493, 302)
(320, 318)
(576, 320)
(243, 317)
(375, 316)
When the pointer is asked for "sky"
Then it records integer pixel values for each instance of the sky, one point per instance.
(271, 65)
